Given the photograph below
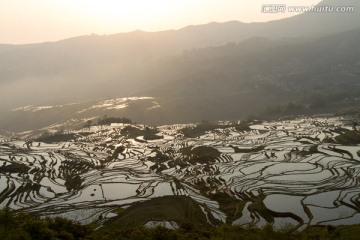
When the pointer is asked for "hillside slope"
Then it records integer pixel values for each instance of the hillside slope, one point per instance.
(90, 67)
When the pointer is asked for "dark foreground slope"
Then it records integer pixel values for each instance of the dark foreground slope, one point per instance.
(180, 209)
(27, 226)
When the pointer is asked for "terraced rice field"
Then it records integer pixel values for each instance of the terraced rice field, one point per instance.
(277, 172)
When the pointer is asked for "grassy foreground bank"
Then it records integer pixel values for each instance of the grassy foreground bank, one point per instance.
(27, 226)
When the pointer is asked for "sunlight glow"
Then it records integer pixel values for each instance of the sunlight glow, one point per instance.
(24, 21)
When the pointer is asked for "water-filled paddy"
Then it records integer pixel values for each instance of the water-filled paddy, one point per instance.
(278, 172)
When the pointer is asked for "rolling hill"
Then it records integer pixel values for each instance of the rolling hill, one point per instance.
(192, 72)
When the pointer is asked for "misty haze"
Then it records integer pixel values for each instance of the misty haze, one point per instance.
(236, 129)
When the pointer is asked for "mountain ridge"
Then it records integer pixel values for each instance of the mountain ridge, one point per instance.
(92, 67)
(217, 83)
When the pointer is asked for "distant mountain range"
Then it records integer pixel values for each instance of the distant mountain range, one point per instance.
(214, 71)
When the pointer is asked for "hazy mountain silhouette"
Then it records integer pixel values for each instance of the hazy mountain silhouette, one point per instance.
(176, 66)
(258, 76)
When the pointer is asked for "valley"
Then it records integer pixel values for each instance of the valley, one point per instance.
(303, 172)
(211, 128)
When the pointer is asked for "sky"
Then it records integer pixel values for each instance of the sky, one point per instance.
(33, 21)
